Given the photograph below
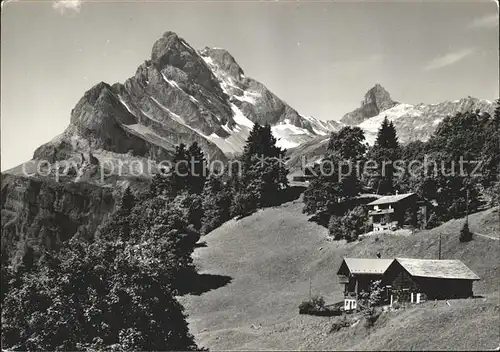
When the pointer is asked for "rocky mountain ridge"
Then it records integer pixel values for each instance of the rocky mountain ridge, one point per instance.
(179, 96)
(412, 122)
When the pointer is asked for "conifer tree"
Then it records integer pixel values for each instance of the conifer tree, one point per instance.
(261, 143)
(465, 233)
(127, 201)
(197, 169)
(384, 152)
(263, 172)
(216, 204)
(336, 177)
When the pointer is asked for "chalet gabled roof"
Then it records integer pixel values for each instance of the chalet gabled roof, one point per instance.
(391, 199)
(442, 269)
(367, 265)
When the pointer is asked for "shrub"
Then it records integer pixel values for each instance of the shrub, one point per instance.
(368, 303)
(349, 226)
(371, 315)
(337, 325)
(335, 227)
(465, 233)
(396, 305)
(315, 305)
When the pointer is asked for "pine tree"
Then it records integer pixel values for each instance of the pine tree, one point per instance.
(179, 176)
(197, 169)
(262, 144)
(384, 152)
(465, 233)
(387, 136)
(127, 201)
(330, 187)
(263, 173)
(216, 204)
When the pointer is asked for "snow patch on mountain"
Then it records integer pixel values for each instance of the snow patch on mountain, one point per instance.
(249, 97)
(289, 135)
(233, 144)
(240, 118)
(373, 124)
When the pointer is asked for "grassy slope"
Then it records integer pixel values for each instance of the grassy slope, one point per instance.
(273, 255)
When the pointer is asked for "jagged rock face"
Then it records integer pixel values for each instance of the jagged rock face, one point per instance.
(45, 214)
(179, 96)
(418, 122)
(412, 122)
(376, 100)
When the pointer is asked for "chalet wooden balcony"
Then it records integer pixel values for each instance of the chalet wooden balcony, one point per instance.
(343, 279)
(381, 211)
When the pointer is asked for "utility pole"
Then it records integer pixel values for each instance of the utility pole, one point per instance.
(310, 289)
(467, 207)
(439, 253)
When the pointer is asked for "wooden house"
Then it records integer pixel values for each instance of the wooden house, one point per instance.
(405, 280)
(389, 212)
(357, 275)
(414, 280)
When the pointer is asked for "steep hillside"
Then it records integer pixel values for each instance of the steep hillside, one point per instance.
(275, 256)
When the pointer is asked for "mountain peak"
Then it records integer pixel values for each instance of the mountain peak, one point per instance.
(167, 50)
(376, 100)
(380, 97)
(224, 60)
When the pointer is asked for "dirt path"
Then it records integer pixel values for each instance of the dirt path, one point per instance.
(486, 236)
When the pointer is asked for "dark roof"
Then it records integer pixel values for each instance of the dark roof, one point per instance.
(391, 199)
(443, 269)
(366, 265)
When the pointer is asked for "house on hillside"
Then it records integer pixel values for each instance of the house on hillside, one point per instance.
(357, 275)
(414, 280)
(405, 280)
(391, 212)
(306, 176)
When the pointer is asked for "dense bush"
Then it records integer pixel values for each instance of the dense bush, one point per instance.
(314, 305)
(340, 324)
(349, 226)
(369, 301)
(116, 293)
(465, 233)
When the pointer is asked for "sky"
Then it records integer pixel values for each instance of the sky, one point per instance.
(319, 56)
